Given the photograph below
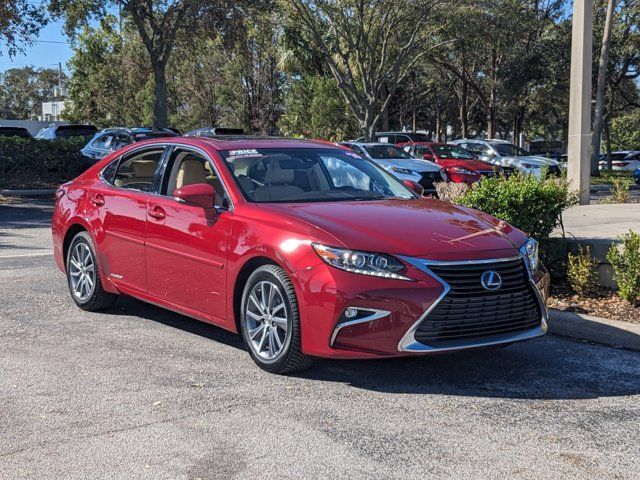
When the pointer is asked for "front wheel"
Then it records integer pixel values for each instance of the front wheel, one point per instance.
(83, 275)
(270, 321)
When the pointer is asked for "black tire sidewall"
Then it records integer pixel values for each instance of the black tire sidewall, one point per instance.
(268, 272)
(83, 237)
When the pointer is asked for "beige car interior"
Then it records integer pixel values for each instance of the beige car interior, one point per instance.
(137, 172)
(189, 169)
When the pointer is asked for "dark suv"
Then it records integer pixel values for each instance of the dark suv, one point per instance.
(111, 139)
(399, 137)
(65, 131)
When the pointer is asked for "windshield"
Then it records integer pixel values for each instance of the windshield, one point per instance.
(451, 151)
(385, 152)
(509, 150)
(292, 175)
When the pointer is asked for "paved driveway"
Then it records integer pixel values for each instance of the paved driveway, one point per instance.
(140, 392)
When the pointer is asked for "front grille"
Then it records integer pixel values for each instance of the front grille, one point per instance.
(428, 179)
(554, 170)
(469, 312)
(487, 173)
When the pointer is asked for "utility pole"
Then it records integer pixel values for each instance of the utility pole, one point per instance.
(579, 145)
(60, 79)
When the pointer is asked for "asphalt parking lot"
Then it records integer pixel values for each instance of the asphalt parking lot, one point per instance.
(140, 392)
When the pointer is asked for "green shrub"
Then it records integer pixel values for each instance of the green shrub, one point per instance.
(531, 204)
(620, 191)
(582, 271)
(626, 266)
(554, 255)
(27, 161)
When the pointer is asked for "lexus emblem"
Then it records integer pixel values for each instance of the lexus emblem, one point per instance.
(491, 280)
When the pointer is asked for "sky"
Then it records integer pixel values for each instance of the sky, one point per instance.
(41, 54)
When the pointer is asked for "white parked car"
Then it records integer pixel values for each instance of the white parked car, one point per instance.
(622, 160)
(505, 154)
(400, 164)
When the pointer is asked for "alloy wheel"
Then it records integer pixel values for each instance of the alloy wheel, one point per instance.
(82, 272)
(266, 320)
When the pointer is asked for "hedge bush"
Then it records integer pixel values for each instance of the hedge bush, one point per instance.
(626, 267)
(533, 205)
(28, 162)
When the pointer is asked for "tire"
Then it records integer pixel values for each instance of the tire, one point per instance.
(82, 263)
(267, 297)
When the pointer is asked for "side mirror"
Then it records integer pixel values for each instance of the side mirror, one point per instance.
(201, 194)
(416, 187)
(427, 156)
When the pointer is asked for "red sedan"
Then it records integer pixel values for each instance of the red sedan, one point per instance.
(459, 164)
(305, 249)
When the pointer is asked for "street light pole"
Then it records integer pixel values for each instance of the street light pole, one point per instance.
(579, 145)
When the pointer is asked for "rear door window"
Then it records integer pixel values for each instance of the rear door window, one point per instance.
(137, 171)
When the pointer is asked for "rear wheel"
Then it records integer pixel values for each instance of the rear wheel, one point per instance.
(83, 275)
(270, 321)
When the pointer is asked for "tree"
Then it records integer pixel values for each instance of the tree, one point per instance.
(600, 88)
(109, 84)
(20, 21)
(22, 91)
(369, 46)
(314, 108)
(158, 24)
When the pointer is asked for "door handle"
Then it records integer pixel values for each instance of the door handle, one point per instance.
(97, 199)
(157, 212)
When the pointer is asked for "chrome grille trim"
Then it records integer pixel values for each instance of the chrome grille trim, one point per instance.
(408, 343)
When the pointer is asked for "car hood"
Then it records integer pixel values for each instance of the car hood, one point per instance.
(518, 161)
(475, 165)
(417, 165)
(421, 228)
(545, 160)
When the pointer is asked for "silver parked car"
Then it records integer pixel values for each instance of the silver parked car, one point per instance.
(506, 154)
(400, 164)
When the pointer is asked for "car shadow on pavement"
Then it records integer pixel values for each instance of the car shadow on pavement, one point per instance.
(137, 308)
(26, 213)
(548, 368)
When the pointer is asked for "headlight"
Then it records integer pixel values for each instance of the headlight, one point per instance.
(462, 171)
(365, 263)
(530, 165)
(443, 175)
(404, 171)
(530, 251)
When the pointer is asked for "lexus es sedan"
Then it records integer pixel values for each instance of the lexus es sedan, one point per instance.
(304, 248)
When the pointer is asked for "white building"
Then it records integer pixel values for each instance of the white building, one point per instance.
(52, 111)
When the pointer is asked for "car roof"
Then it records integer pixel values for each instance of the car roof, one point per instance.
(242, 142)
(370, 144)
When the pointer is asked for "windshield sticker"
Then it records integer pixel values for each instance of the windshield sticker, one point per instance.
(244, 153)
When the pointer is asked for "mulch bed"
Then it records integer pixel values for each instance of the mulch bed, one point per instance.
(601, 303)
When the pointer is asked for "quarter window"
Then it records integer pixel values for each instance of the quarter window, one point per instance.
(137, 171)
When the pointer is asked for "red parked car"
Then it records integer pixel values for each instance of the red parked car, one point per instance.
(305, 249)
(459, 164)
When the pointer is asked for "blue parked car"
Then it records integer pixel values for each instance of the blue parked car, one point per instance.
(636, 176)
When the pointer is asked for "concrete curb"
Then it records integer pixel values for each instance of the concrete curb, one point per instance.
(28, 193)
(608, 188)
(595, 329)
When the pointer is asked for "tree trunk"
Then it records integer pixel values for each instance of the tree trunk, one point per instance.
(607, 139)
(438, 126)
(464, 115)
(602, 72)
(159, 95)
(491, 122)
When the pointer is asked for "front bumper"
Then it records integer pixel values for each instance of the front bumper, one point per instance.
(388, 314)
